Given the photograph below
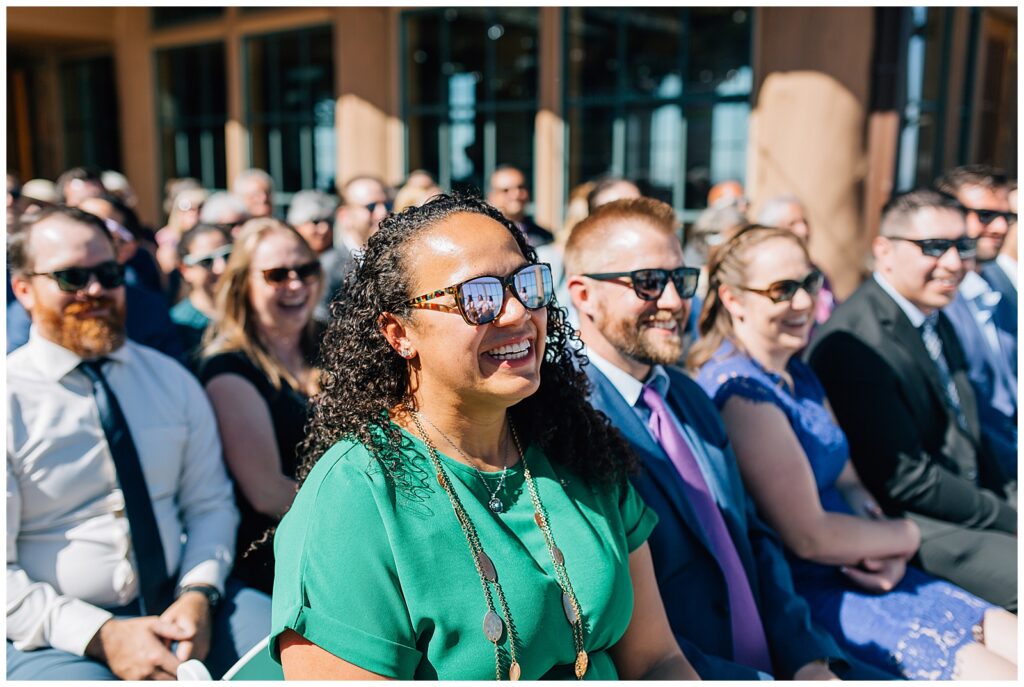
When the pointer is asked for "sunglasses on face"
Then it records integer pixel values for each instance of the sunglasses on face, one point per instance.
(987, 217)
(109, 274)
(372, 207)
(481, 299)
(206, 261)
(786, 289)
(281, 275)
(649, 284)
(936, 248)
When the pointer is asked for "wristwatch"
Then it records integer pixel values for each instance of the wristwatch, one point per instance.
(210, 592)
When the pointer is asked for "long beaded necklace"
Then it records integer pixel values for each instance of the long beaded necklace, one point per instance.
(494, 503)
(493, 626)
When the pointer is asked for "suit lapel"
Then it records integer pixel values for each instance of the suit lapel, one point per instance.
(606, 397)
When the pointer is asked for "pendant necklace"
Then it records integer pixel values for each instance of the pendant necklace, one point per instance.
(494, 626)
(494, 503)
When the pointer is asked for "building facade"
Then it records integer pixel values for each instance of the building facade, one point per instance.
(840, 106)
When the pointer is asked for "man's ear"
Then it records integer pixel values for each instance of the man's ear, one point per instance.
(397, 335)
(581, 294)
(22, 288)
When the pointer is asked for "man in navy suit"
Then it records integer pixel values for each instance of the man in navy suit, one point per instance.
(984, 313)
(721, 571)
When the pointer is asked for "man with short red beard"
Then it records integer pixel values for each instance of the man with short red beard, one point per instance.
(895, 374)
(722, 574)
(120, 516)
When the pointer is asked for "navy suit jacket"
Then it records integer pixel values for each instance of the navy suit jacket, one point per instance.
(692, 585)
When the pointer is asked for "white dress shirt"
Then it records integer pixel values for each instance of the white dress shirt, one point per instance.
(912, 312)
(982, 300)
(69, 550)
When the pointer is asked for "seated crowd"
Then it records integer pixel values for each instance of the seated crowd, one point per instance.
(410, 435)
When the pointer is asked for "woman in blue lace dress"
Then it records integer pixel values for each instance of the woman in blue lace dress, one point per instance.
(848, 559)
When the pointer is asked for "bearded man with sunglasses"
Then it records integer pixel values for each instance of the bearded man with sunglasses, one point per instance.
(722, 573)
(895, 373)
(113, 461)
(984, 313)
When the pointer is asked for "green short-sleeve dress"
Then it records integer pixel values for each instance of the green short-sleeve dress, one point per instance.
(383, 578)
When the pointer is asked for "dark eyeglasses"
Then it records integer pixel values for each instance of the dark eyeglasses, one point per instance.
(481, 299)
(372, 207)
(987, 217)
(649, 284)
(936, 248)
(786, 289)
(206, 261)
(281, 275)
(109, 274)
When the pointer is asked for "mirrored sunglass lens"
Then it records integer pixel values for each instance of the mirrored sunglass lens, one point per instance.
(935, 248)
(481, 299)
(814, 282)
(649, 284)
(784, 290)
(534, 286)
(967, 248)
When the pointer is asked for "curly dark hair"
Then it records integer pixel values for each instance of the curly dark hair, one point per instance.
(362, 377)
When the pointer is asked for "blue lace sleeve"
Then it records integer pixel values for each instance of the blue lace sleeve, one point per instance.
(749, 388)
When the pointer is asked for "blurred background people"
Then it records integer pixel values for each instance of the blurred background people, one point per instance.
(183, 215)
(508, 191)
(225, 210)
(203, 253)
(312, 213)
(257, 368)
(79, 183)
(611, 188)
(364, 203)
(256, 189)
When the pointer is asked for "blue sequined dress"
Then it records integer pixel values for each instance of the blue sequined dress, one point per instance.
(914, 630)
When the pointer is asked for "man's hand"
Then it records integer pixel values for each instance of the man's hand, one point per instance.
(133, 650)
(878, 575)
(815, 670)
(188, 621)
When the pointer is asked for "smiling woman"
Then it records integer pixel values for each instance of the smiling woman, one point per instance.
(464, 513)
(257, 368)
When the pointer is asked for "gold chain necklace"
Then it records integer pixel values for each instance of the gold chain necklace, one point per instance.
(494, 628)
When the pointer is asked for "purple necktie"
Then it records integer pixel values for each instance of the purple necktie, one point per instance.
(750, 647)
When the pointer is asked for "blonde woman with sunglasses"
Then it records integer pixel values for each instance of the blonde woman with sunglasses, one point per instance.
(257, 368)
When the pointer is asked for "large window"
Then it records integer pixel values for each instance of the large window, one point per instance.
(924, 90)
(89, 105)
(192, 112)
(660, 96)
(289, 83)
(469, 91)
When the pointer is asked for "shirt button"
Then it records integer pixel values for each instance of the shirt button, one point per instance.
(971, 474)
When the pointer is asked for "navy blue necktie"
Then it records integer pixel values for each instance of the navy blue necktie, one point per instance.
(149, 551)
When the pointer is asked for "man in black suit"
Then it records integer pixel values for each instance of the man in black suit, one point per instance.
(510, 194)
(896, 375)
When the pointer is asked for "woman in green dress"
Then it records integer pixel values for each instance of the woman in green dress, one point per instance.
(464, 513)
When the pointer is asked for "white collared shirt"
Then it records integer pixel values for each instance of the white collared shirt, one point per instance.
(912, 312)
(982, 301)
(69, 548)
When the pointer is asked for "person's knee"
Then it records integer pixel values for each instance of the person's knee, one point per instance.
(52, 664)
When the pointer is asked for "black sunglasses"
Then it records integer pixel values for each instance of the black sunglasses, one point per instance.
(649, 284)
(987, 217)
(280, 275)
(786, 289)
(481, 299)
(109, 274)
(936, 248)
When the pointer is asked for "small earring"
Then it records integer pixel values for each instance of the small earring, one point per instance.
(405, 351)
